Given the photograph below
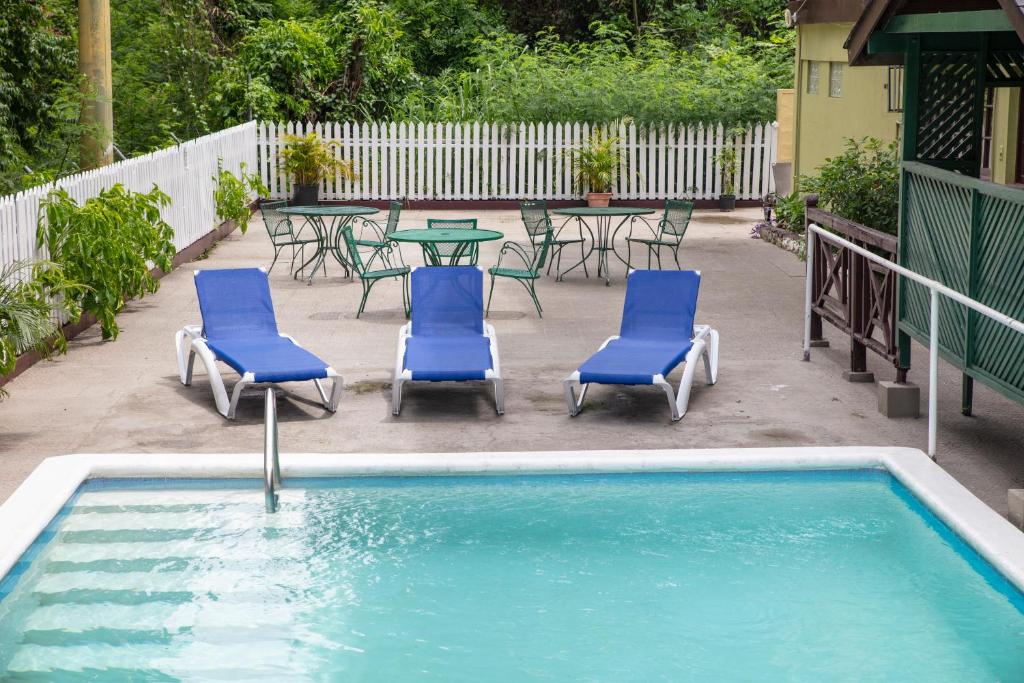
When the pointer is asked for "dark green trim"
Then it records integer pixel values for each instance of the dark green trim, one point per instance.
(980, 21)
(884, 44)
(1010, 194)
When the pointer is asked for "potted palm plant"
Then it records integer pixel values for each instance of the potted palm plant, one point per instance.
(596, 166)
(726, 160)
(309, 160)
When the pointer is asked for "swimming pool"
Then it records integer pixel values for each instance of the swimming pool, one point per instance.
(676, 570)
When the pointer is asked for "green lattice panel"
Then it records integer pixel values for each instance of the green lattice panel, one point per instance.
(997, 351)
(969, 235)
(947, 110)
(1004, 66)
(937, 234)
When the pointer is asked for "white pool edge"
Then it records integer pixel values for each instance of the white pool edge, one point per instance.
(47, 489)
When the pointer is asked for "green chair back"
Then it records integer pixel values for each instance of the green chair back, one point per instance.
(534, 213)
(276, 223)
(448, 248)
(394, 211)
(353, 252)
(676, 218)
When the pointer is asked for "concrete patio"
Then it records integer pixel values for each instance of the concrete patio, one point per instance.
(125, 396)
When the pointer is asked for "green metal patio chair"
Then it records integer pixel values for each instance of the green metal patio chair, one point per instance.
(282, 232)
(669, 233)
(535, 217)
(527, 276)
(380, 242)
(448, 249)
(368, 278)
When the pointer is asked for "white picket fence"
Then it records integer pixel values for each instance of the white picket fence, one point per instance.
(184, 172)
(476, 161)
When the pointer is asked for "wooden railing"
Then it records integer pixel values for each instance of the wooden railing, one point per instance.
(854, 294)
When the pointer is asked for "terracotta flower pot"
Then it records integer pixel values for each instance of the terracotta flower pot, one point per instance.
(598, 199)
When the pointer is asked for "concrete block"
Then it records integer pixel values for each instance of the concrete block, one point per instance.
(1015, 502)
(899, 400)
(859, 377)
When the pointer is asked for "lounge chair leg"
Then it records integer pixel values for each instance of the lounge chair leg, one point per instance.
(680, 402)
(236, 393)
(711, 358)
(574, 403)
(220, 394)
(499, 395)
(396, 396)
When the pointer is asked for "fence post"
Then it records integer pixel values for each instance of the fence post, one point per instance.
(816, 273)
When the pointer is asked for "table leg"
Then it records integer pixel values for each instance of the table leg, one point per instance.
(321, 247)
(593, 243)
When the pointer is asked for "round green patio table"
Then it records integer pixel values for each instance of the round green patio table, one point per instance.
(602, 238)
(429, 240)
(328, 238)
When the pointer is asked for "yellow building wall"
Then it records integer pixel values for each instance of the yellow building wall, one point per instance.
(823, 123)
(1005, 115)
(785, 116)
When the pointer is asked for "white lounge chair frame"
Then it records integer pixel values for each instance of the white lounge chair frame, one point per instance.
(402, 375)
(705, 345)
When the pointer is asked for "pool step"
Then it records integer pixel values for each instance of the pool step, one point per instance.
(124, 584)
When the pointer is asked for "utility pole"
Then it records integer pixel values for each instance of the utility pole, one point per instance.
(94, 63)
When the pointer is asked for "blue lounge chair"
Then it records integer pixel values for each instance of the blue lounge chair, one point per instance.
(447, 339)
(239, 328)
(657, 334)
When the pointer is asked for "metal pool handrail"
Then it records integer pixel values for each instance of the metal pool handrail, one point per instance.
(271, 458)
(936, 288)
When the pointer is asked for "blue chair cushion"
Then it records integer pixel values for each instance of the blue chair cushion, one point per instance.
(270, 359)
(235, 303)
(449, 358)
(633, 361)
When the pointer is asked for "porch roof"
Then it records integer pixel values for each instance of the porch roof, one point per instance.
(925, 16)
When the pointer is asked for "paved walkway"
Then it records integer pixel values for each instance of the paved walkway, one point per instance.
(124, 396)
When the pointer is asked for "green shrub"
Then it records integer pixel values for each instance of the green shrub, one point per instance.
(862, 184)
(789, 212)
(32, 297)
(233, 195)
(109, 245)
(597, 164)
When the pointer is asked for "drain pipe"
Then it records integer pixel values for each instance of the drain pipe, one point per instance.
(271, 459)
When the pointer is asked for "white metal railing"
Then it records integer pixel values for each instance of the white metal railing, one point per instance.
(184, 172)
(934, 287)
(482, 160)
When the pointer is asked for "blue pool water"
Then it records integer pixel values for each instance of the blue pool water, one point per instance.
(816, 576)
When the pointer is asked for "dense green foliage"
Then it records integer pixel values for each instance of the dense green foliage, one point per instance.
(185, 67)
(233, 195)
(861, 184)
(32, 297)
(596, 165)
(108, 244)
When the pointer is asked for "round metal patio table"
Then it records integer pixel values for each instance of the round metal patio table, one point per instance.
(429, 239)
(602, 239)
(328, 238)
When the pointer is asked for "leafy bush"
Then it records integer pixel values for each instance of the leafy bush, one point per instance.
(789, 212)
(109, 245)
(32, 296)
(861, 184)
(233, 195)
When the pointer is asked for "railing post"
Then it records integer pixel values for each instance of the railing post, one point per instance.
(857, 285)
(815, 276)
(271, 459)
(809, 236)
(933, 373)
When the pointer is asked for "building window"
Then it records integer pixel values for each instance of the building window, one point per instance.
(895, 88)
(835, 79)
(813, 76)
